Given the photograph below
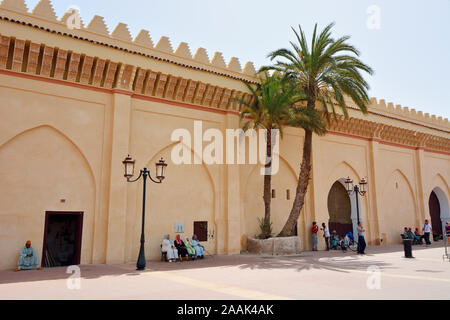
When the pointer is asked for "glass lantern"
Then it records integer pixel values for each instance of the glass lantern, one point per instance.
(363, 186)
(128, 164)
(349, 185)
(161, 169)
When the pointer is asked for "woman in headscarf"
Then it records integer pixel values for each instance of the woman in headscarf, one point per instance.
(199, 249)
(181, 247)
(190, 249)
(169, 248)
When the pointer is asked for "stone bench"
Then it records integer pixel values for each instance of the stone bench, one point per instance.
(275, 246)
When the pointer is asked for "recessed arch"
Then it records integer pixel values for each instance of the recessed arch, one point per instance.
(27, 131)
(43, 170)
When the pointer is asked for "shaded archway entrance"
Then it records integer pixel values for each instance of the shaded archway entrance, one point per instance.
(439, 211)
(435, 214)
(340, 209)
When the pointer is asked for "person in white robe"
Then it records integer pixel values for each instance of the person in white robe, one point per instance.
(169, 248)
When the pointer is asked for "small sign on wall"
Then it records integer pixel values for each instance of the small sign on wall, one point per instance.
(179, 227)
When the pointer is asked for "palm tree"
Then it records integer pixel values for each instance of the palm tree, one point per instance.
(325, 73)
(270, 108)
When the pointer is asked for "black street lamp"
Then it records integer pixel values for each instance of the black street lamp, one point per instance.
(160, 175)
(358, 190)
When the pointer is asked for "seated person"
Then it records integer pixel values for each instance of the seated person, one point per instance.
(350, 236)
(199, 249)
(419, 237)
(411, 234)
(190, 249)
(28, 259)
(447, 229)
(181, 247)
(169, 248)
(334, 240)
(344, 243)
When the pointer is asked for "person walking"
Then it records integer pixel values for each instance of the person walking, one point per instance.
(326, 235)
(315, 230)
(427, 232)
(361, 240)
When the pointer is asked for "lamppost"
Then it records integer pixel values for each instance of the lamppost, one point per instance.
(357, 190)
(160, 176)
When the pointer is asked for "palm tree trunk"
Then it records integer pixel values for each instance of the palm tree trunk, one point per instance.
(268, 186)
(302, 187)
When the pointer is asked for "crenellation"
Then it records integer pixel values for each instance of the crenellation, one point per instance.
(44, 9)
(249, 69)
(164, 45)
(382, 105)
(234, 65)
(390, 107)
(43, 15)
(218, 60)
(121, 32)
(202, 56)
(98, 25)
(144, 39)
(14, 5)
(184, 51)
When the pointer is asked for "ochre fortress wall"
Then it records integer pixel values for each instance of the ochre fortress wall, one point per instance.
(74, 103)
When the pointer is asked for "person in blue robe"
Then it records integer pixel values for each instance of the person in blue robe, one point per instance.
(28, 259)
(199, 249)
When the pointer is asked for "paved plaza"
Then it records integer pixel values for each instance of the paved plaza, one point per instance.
(312, 275)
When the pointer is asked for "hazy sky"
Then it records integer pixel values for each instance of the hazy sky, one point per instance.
(410, 53)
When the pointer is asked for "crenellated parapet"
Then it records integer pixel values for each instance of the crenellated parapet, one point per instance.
(388, 133)
(96, 31)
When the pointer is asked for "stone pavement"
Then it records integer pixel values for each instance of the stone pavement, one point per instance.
(311, 275)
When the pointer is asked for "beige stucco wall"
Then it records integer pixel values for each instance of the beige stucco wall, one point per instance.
(60, 141)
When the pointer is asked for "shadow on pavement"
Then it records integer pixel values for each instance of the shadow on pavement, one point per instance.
(334, 261)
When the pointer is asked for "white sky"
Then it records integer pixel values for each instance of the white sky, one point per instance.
(410, 52)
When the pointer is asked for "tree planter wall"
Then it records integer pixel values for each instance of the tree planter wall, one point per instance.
(275, 246)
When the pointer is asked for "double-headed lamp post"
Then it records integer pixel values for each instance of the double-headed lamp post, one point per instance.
(160, 176)
(358, 190)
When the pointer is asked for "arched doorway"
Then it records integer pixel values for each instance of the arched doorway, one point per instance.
(340, 209)
(439, 211)
(435, 214)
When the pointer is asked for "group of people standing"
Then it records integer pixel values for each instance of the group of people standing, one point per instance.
(179, 249)
(327, 236)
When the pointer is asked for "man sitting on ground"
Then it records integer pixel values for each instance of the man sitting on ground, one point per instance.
(28, 259)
